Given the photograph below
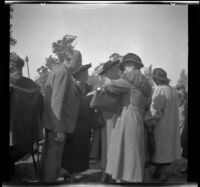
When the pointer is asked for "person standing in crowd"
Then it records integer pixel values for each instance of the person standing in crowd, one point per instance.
(126, 153)
(61, 107)
(110, 71)
(26, 107)
(99, 138)
(77, 146)
(182, 122)
(163, 120)
(184, 135)
(181, 93)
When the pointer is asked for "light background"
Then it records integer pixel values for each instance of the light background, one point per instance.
(157, 33)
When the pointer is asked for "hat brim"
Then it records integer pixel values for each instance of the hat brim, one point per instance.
(140, 65)
(108, 67)
(82, 69)
(161, 79)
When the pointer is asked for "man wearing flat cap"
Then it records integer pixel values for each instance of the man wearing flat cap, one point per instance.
(163, 120)
(26, 105)
(61, 107)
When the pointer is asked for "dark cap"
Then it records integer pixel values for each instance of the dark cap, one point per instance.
(107, 65)
(160, 74)
(82, 68)
(16, 61)
(131, 57)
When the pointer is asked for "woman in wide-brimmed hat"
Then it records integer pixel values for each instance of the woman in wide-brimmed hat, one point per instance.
(126, 154)
(101, 136)
(163, 119)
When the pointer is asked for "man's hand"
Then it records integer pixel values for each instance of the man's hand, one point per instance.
(60, 137)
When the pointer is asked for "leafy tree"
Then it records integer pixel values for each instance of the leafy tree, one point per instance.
(43, 74)
(12, 40)
(51, 62)
(63, 46)
(148, 71)
(183, 79)
(60, 48)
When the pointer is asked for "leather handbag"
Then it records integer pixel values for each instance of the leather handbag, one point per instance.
(97, 120)
(104, 101)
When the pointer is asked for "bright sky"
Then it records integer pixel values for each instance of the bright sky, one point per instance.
(157, 33)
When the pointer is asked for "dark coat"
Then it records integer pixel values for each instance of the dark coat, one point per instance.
(77, 147)
(26, 111)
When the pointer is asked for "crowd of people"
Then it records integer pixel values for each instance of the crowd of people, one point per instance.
(143, 124)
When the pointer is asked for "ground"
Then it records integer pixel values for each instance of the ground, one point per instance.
(25, 172)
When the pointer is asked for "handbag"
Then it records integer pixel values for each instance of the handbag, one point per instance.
(105, 101)
(97, 120)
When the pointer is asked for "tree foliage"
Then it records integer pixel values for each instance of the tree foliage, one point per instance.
(12, 40)
(63, 46)
(148, 71)
(60, 48)
(183, 79)
(51, 62)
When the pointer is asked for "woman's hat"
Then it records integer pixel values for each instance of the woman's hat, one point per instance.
(16, 61)
(160, 74)
(82, 68)
(107, 65)
(131, 57)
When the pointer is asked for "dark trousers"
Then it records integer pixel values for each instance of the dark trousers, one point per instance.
(51, 157)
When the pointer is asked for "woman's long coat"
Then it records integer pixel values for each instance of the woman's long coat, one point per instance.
(126, 154)
(105, 137)
(163, 114)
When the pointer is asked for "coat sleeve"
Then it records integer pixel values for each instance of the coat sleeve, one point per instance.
(118, 87)
(156, 108)
(60, 85)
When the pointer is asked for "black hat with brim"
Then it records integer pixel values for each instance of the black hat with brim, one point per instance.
(160, 74)
(82, 68)
(108, 65)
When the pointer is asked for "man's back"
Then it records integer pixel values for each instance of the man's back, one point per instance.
(61, 101)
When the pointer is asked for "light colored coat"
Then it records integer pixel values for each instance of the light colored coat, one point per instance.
(105, 137)
(126, 154)
(164, 110)
(62, 100)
